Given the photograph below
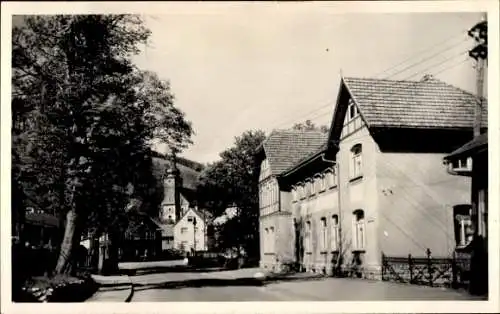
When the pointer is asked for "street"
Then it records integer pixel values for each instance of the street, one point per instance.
(232, 286)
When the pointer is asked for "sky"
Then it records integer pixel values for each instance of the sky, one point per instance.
(265, 67)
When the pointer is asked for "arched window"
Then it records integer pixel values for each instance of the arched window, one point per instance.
(272, 240)
(266, 240)
(294, 194)
(313, 186)
(302, 193)
(335, 233)
(308, 237)
(322, 183)
(324, 234)
(356, 161)
(358, 236)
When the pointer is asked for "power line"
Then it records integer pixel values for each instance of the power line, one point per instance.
(439, 63)
(416, 73)
(428, 57)
(398, 72)
(293, 119)
(450, 67)
(430, 48)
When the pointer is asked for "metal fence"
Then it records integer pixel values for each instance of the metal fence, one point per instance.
(436, 272)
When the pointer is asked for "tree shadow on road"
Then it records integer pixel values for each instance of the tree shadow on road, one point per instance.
(160, 269)
(218, 282)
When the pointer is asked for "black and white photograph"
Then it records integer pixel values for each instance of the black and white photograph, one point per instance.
(250, 152)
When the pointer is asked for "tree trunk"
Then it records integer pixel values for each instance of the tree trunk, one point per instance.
(65, 252)
(113, 253)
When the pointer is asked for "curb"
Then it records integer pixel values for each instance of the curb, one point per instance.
(128, 285)
(131, 293)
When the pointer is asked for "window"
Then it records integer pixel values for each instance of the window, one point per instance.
(335, 233)
(190, 218)
(307, 189)
(308, 237)
(356, 161)
(266, 240)
(184, 230)
(271, 242)
(482, 213)
(358, 236)
(302, 193)
(331, 178)
(353, 110)
(322, 183)
(323, 236)
(464, 231)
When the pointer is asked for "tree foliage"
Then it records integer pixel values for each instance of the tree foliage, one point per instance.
(233, 181)
(84, 118)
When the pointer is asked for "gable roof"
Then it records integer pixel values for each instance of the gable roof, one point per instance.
(206, 216)
(307, 159)
(284, 148)
(425, 104)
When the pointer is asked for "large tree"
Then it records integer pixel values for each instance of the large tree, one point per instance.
(84, 119)
(233, 180)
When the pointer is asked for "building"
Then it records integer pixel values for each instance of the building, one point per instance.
(149, 234)
(471, 160)
(41, 229)
(280, 151)
(191, 232)
(179, 195)
(377, 184)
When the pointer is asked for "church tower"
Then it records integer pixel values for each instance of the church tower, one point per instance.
(170, 210)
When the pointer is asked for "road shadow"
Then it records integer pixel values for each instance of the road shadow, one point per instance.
(169, 269)
(219, 282)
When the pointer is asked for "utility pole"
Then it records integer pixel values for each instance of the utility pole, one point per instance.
(480, 53)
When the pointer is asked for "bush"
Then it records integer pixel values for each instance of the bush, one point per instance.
(60, 288)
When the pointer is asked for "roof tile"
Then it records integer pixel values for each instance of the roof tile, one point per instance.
(284, 148)
(414, 104)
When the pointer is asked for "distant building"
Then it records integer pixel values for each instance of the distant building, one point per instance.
(149, 234)
(471, 160)
(41, 229)
(375, 185)
(179, 197)
(191, 231)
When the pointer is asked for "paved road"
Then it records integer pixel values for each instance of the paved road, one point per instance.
(225, 286)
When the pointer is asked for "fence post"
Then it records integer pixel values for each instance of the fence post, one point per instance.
(429, 266)
(410, 267)
(454, 281)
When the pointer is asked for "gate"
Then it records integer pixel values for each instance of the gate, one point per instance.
(435, 272)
